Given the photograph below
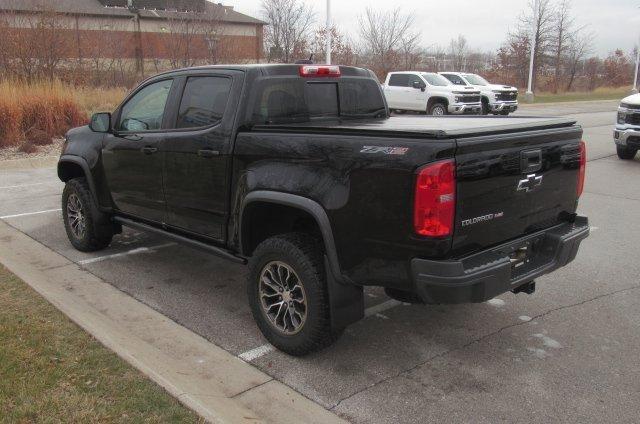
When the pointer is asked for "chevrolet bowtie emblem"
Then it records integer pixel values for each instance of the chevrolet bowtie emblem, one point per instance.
(531, 182)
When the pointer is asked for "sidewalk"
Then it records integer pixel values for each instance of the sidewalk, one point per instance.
(212, 382)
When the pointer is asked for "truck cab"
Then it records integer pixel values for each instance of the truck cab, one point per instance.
(496, 99)
(431, 93)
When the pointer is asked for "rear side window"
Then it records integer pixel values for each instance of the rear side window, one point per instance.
(399, 80)
(455, 79)
(203, 101)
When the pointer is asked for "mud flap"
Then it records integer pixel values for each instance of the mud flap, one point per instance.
(346, 301)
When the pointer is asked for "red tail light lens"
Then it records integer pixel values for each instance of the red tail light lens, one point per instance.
(435, 199)
(583, 167)
(319, 71)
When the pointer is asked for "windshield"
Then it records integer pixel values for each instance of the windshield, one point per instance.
(476, 79)
(435, 79)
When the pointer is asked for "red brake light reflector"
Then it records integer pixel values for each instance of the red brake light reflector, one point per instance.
(583, 167)
(435, 199)
(319, 71)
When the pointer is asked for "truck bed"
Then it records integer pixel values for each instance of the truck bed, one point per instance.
(441, 127)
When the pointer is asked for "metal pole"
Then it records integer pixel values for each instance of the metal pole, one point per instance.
(328, 41)
(635, 78)
(533, 50)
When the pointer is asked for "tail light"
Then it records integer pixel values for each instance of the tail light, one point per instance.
(435, 199)
(583, 166)
(319, 71)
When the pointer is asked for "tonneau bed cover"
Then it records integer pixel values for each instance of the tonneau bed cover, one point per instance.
(440, 127)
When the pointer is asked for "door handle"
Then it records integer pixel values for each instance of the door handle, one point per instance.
(208, 153)
(149, 150)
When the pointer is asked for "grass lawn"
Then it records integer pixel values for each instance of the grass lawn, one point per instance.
(53, 371)
(598, 94)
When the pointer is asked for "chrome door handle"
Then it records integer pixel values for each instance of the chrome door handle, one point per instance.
(149, 150)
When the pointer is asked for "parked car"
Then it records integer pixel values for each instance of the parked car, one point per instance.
(627, 132)
(429, 92)
(496, 99)
(299, 172)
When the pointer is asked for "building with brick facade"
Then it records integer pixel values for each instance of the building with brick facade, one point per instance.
(178, 31)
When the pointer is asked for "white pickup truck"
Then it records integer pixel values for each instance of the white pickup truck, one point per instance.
(429, 92)
(627, 132)
(496, 99)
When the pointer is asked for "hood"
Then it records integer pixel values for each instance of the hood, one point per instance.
(457, 89)
(632, 100)
(501, 87)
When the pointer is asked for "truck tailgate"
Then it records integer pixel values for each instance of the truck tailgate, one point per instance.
(515, 184)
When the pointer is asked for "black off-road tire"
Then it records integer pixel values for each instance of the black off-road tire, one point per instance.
(485, 107)
(626, 153)
(98, 229)
(435, 107)
(304, 254)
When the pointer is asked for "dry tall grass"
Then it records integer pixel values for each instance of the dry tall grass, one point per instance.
(31, 110)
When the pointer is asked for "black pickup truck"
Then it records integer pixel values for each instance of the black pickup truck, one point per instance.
(299, 171)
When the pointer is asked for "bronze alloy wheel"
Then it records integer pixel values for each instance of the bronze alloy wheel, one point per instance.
(282, 297)
(76, 216)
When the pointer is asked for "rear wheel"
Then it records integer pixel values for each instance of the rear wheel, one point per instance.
(438, 109)
(288, 296)
(626, 153)
(87, 228)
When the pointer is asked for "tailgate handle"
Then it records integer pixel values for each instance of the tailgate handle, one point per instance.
(530, 161)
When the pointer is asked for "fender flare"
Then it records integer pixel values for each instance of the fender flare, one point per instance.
(345, 298)
(77, 160)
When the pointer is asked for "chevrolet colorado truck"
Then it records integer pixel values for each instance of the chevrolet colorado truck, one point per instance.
(300, 172)
(627, 132)
(496, 99)
(429, 93)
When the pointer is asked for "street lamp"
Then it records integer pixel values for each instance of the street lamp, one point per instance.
(328, 35)
(635, 78)
(529, 95)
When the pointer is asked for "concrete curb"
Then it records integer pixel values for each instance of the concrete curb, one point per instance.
(573, 103)
(29, 163)
(207, 379)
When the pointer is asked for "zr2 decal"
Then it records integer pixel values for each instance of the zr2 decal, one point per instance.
(385, 150)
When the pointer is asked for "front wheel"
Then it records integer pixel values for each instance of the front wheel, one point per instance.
(87, 228)
(626, 153)
(438, 109)
(288, 296)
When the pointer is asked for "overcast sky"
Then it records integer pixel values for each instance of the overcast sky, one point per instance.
(615, 23)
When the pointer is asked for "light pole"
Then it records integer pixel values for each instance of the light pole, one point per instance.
(328, 40)
(635, 78)
(529, 95)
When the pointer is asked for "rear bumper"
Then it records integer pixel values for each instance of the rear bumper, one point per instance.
(465, 108)
(484, 275)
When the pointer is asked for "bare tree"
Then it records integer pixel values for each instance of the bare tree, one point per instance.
(288, 30)
(342, 49)
(563, 27)
(410, 49)
(580, 45)
(382, 34)
(459, 49)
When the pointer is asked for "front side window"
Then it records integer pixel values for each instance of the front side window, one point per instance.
(436, 79)
(203, 101)
(145, 110)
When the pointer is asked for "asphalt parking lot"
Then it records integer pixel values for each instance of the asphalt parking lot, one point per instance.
(567, 353)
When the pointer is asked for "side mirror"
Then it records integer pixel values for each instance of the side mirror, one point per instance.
(419, 85)
(100, 122)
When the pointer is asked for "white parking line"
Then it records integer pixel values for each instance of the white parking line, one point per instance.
(252, 354)
(121, 254)
(259, 351)
(25, 185)
(29, 213)
(381, 307)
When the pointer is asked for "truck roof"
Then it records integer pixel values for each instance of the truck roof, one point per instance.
(440, 127)
(268, 69)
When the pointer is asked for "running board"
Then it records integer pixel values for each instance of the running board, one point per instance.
(181, 239)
